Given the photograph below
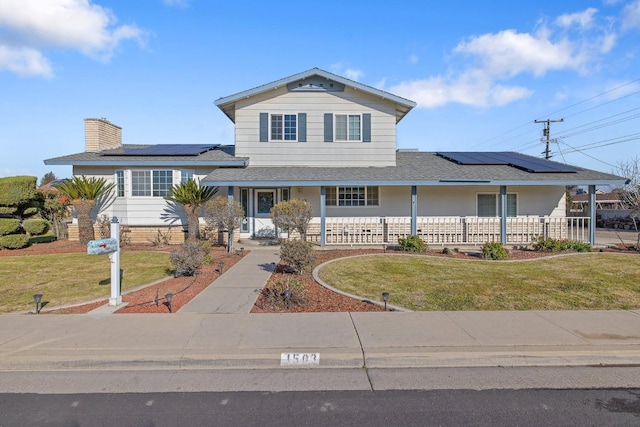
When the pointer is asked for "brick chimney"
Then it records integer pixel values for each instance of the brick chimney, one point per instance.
(100, 134)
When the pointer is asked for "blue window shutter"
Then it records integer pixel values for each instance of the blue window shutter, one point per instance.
(366, 127)
(328, 127)
(264, 127)
(302, 127)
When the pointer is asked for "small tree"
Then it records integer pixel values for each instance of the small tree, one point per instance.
(630, 192)
(298, 255)
(83, 193)
(55, 209)
(293, 215)
(223, 214)
(192, 196)
(47, 178)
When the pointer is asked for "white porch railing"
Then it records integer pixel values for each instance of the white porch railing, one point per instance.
(447, 230)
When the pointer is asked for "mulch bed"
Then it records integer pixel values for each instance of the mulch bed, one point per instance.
(317, 298)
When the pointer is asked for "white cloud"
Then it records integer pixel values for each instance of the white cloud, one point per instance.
(508, 53)
(414, 59)
(353, 74)
(487, 64)
(584, 19)
(32, 26)
(24, 62)
(631, 15)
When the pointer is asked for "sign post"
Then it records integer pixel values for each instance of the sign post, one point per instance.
(116, 293)
(112, 247)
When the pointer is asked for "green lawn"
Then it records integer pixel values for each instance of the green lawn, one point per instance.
(581, 281)
(72, 278)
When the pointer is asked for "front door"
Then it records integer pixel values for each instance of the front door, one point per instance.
(264, 201)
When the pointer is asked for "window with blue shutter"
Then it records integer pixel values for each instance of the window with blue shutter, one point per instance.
(328, 127)
(264, 127)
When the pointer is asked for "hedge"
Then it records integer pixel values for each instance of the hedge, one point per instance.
(36, 227)
(14, 241)
(16, 190)
(9, 225)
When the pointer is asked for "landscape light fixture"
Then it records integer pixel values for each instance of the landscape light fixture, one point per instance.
(220, 266)
(37, 298)
(168, 298)
(242, 251)
(385, 297)
(273, 267)
(287, 297)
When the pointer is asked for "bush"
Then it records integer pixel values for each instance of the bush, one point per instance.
(189, 259)
(274, 294)
(9, 226)
(36, 227)
(494, 250)
(14, 241)
(413, 244)
(555, 245)
(298, 255)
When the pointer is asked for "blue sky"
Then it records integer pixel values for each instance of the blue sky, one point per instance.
(481, 72)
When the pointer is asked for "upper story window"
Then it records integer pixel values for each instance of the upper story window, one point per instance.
(151, 183)
(348, 127)
(352, 196)
(488, 205)
(119, 183)
(283, 127)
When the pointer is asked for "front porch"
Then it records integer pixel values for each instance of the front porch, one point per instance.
(468, 230)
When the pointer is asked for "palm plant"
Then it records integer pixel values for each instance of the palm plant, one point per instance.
(83, 193)
(192, 196)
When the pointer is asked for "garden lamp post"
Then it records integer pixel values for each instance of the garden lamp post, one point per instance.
(385, 297)
(37, 298)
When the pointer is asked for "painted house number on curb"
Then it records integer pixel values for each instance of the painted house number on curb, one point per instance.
(299, 359)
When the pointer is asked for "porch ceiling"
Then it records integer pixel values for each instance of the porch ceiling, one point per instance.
(412, 168)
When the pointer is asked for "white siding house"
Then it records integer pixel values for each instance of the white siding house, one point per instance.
(332, 141)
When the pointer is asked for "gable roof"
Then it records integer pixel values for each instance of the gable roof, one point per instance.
(227, 103)
(412, 168)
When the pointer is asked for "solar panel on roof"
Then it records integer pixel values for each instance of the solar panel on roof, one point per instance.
(510, 158)
(165, 150)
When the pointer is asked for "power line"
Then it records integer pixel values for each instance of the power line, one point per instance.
(546, 132)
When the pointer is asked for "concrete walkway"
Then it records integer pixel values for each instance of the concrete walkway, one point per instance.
(237, 289)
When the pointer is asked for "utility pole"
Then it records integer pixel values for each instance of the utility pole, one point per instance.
(545, 134)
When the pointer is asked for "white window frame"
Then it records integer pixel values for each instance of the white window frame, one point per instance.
(284, 127)
(370, 200)
(153, 189)
(185, 174)
(497, 204)
(121, 188)
(349, 127)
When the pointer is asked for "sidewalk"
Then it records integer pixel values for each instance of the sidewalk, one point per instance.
(342, 340)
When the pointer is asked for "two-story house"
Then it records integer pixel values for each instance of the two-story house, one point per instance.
(332, 141)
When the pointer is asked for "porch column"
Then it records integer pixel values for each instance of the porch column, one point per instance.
(414, 210)
(592, 215)
(323, 214)
(503, 215)
(230, 193)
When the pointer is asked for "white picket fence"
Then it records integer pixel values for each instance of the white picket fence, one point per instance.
(447, 230)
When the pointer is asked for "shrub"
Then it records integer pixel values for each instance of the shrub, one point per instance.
(9, 225)
(494, 250)
(274, 294)
(104, 227)
(162, 238)
(298, 255)
(188, 259)
(555, 245)
(413, 244)
(14, 241)
(36, 227)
